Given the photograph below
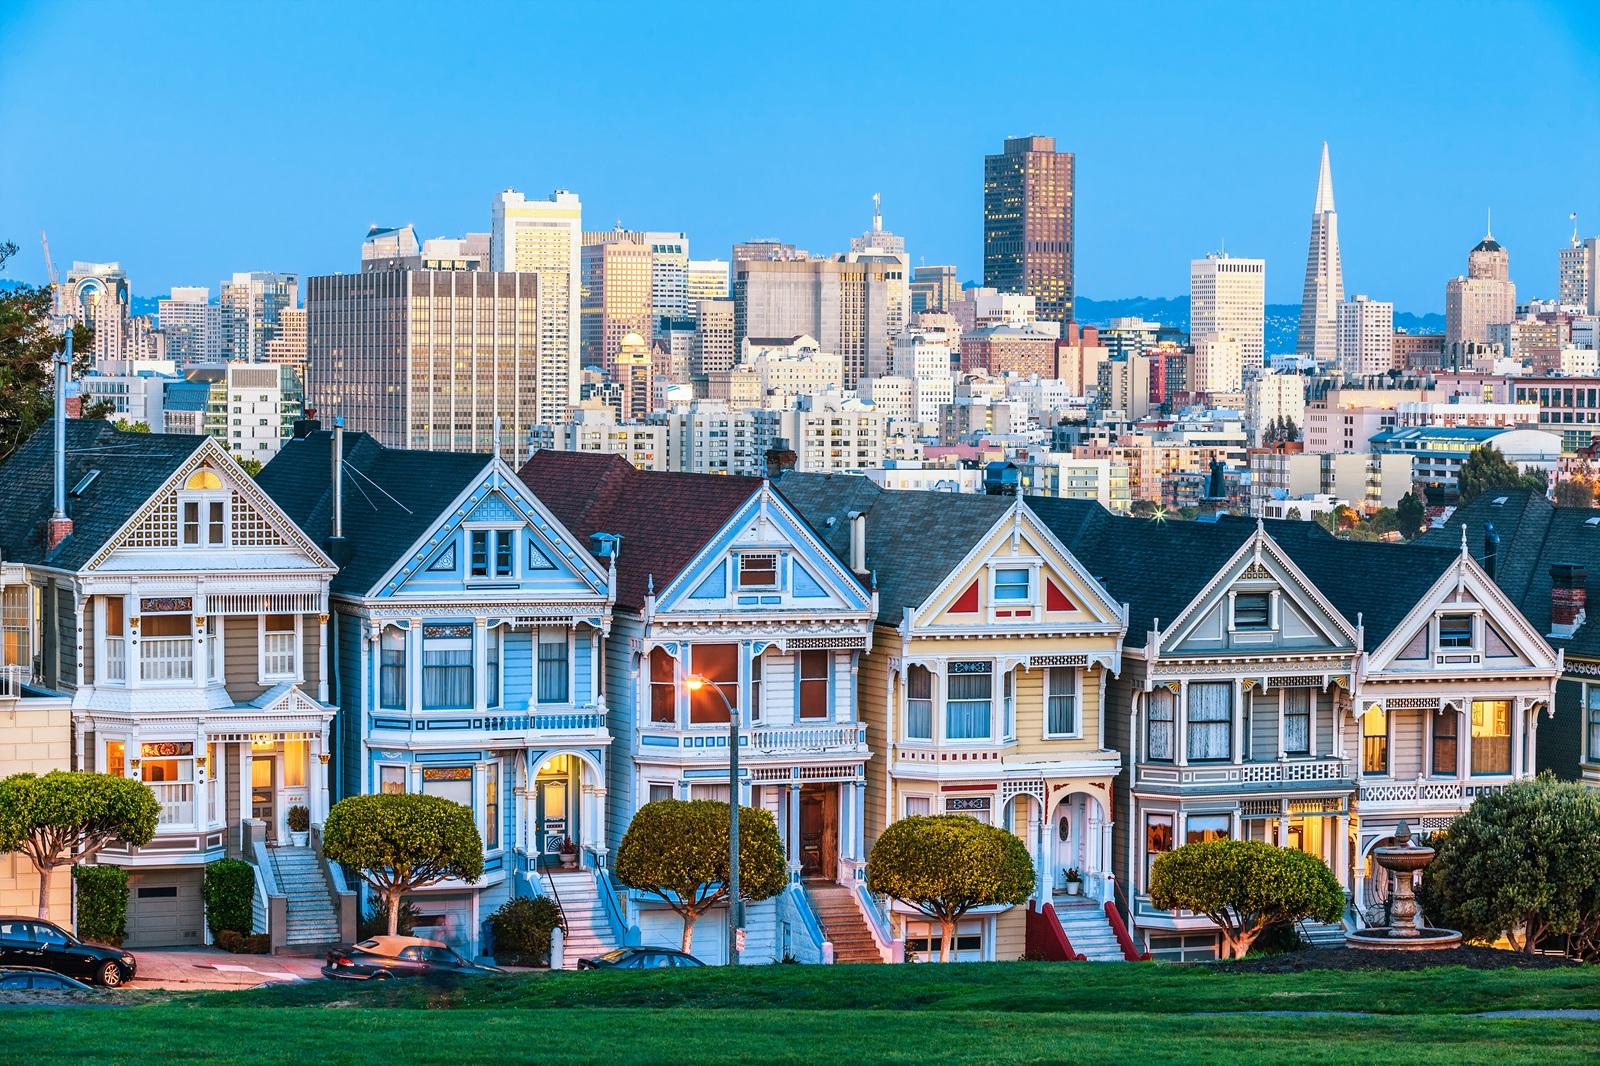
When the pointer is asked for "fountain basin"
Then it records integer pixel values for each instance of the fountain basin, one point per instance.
(1382, 938)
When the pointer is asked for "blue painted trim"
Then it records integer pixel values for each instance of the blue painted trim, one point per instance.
(800, 900)
(622, 933)
(650, 741)
(449, 756)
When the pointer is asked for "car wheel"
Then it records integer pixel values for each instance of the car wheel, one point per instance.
(111, 975)
(383, 975)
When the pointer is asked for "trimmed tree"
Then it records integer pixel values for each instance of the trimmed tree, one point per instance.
(947, 864)
(1410, 514)
(67, 817)
(677, 850)
(1245, 887)
(1523, 863)
(399, 843)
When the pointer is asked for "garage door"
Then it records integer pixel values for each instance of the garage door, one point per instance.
(164, 909)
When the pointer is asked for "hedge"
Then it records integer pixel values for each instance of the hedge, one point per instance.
(228, 889)
(522, 928)
(102, 902)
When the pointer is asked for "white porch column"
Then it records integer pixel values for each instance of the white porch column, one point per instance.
(413, 666)
(1341, 852)
(598, 823)
(1044, 879)
(1463, 741)
(480, 665)
(858, 823)
(1106, 874)
(322, 658)
(245, 759)
(200, 662)
(791, 819)
(1240, 694)
(202, 782)
(1180, 739)
(1282, 750)
(317, 778)
(1283, 824)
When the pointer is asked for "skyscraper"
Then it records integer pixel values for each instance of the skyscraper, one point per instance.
(845, 306)
(707, 280)
(251, 303)
(1484, 297)
(933, 288)
(1324, 291)
(1228, 300)
(192, 324)
(616, 296)
(545, 237)
(886, 251)
(1028, 210)
(1366, 337)
(1573, 272)
(669, 279)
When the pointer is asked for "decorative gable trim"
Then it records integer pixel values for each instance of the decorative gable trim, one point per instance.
(967, 602)
(1055, 599)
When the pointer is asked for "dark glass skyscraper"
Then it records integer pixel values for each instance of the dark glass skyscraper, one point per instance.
(1027, 223)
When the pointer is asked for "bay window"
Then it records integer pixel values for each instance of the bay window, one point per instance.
(453, 783)
(1297, 721)
(1491, 736)
(491, 665)
(1210, 720)
(1061, 701)
(755, 688)
(969, 700)
(1161, 725)
(919, 703)
(814, 684)
(391, 780)
(446, 667)
(553, 665)
(719, 665)
(491, 807)
(392, 669)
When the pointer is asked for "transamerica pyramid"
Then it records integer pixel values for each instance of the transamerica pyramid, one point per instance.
(1324, 292)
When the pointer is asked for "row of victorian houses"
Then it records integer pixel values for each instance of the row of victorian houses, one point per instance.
(364, 619)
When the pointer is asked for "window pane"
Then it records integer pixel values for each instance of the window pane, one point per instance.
(392, 670)
(919, 703)
(814, 684)
(758, 570)
(503, 540)
(191, 522)
(1157, 840)
(1491, 736)
(1375, 741)
(969, 700)
(217, 524)
(1010, 585)
(446, 676)
(1158, 744)
(718, 664)
(1252, 610)
(663, 687)
(1445, 747)
(552, 666)
(1210, 720)
(492, 666)
(1062, 701)
(480, 553)
(1203, 827)
(1455, 631)
(1297, 721)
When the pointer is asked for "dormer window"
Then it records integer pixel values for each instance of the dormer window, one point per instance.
(1252, 610)
(203, 511)
(1455, 631)
(1011, 585)
(758, 570)
(490, 554)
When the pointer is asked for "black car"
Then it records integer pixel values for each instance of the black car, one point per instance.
(35, 979)
(639, 959)
(385, 957)
(33, 942)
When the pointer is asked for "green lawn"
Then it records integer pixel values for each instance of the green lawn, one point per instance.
(999, 1013)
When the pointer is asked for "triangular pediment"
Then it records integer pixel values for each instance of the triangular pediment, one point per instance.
(1463, 624)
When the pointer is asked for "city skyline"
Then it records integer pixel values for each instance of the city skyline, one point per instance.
(1415, 172)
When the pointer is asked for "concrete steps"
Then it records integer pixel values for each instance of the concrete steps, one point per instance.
(842, 923)
(1088, 928)
(311, 916)
(588, 932)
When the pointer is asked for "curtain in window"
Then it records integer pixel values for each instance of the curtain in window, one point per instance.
(1491, 736)
(1297, 721)
(919, 703)
(392, 670)
(1062, 700)
(552, 666)
(446, 674)
(1375, 741)
(492, 666)
(1210, 720)
(968, 705)
(1158, 736)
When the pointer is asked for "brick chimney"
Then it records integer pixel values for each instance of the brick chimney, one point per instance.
(780, 458)
(55, 531)
(1569, 596)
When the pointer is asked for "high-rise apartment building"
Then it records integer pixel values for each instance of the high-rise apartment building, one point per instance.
(446, 360)
(98, 295)
(288, 348)
(844, 305)
(1217, 365)
(1324, 288)
(933, 288)
(251, 303)
(616, 298)
(716, 345)
(707, 279)
(1366, 337)
(633, 368)
(192, 325)
(923, 358)
(1228, 299)
(1028, 211)
(886, 252)
(669, 278)
(546, 237)
(1574, 276)
(1271, 397)
(1484, 297)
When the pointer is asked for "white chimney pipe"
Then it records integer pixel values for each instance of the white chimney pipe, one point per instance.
(63, 371)
(858, 542)
(338, 479)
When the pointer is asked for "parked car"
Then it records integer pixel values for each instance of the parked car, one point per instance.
(38, 979)
(639, 959)
(385, 957)
(32, 942)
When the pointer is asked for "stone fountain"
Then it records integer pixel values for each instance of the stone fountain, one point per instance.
(1402, 859)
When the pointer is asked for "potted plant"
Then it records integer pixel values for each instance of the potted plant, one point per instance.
(299, 826)
(568, 850)
(1074, 881)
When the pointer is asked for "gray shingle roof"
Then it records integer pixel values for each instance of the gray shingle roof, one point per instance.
(392, 496)
(132, 466)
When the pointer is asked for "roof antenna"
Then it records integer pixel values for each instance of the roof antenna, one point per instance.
(1488, 230)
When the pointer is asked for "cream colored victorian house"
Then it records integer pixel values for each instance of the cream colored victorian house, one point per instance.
(983, 692)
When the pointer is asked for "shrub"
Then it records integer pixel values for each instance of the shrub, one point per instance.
(228, 888)
(102, 902)
(399, 843)
(299, 819)
(677, 850)
(375, 922)
(947, 864)
(1523, 863)
(244, 943)
(522, 928)
(1245, 887)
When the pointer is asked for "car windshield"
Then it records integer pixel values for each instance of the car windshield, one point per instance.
(616, 956)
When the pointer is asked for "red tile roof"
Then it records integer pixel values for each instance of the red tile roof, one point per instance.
(664, 519)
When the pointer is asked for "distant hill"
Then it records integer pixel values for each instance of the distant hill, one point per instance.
(1282, 320)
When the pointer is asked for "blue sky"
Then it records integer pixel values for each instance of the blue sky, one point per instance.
(190, 141)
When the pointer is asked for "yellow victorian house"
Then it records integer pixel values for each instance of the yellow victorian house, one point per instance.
(983, 693)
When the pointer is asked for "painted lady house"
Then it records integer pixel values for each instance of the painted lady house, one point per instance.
(184, 614)
(720, 577)
(467, 633)
(984, 693)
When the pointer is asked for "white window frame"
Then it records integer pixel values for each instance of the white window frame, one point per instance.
(495, 531)
(1077, 704)
(1272, 610)
(934, 677)
(298, 675)
(203, 501)
(1473, 648)
(777, 570)
(907, 797)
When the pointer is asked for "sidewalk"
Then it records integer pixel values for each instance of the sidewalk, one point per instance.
(202, 968)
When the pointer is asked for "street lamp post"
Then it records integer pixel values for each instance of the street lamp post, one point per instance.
(694, 683)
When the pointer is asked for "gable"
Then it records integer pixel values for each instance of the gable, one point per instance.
(1019, 575)
(1464, 624)
(1259, 603)
(764, 559)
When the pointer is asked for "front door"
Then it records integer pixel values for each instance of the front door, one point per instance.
(553, 827)
(264, 793)
(819, 831)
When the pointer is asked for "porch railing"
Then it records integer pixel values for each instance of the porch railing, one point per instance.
(831, 737)
(1423, 790)
(177, 802)
(12, 678)
(116, 659)
(1292, 770)
(166, 659)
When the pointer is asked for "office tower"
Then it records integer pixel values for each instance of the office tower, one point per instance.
(634, 369)
(1028, 212)
(386, 244)
(886, 252)
(446, 360)
(707, 279)
(97, 294)
(844, 305)
(545, 237)
(1574, 277)
(933, 288)
(669, 278)
(1484, 297)
(1324, 289)
(767, 249)
(251, 303)
(616, 294)
(288, 348)
(455, 253)
(192, 324)
(1366, 337)
(1228, 299)
(715, 343)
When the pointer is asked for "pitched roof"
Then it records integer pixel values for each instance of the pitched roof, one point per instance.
(663, 518)
(132, 467)
(392, 497)
(914, 538)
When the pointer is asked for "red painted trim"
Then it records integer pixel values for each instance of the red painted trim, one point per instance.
(967, 602)
(1055, 599)
(1119, 927)
(961, 788)
(1044, 938)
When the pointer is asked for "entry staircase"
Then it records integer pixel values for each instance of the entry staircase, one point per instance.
(842, 923)
(1320, 935)
(312, 918)
(1085, 923)
(588, 933)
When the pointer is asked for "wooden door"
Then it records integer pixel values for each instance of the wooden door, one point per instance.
(819, 831)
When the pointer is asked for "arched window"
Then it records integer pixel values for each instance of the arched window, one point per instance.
(203, 480)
